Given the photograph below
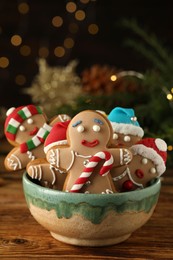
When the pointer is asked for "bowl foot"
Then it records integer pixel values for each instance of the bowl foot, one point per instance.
(89, 242)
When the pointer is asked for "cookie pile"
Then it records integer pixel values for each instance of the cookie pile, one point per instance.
(89, 153)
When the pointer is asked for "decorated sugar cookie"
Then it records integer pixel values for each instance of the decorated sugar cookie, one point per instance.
(126, 128)
(148, 163)
(49, 175)
(87, 158)
(26, 128)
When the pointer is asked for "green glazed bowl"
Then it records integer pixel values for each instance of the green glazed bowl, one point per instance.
(90, 219)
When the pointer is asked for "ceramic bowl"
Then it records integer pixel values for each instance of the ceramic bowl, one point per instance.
(90, 219)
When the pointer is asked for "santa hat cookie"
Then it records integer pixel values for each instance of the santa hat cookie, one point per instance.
(15, 116)
(124, 121)
(57, 135)
(153, 149)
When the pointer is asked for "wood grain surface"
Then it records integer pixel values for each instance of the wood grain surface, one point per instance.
(21, 237)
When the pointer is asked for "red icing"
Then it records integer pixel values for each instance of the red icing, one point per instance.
(127, 185)
(90, 144)
(34, 131)
(139, 173)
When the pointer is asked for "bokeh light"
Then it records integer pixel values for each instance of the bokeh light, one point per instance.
(71, 7)
(23, 8)
(4, 62)
(59, 51)
(20, 79)
(69, 43)
(93, 28)
(16, 40)
(80, 15)
(25, 50)
(57, 21)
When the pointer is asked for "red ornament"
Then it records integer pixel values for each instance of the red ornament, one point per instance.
(127, 185)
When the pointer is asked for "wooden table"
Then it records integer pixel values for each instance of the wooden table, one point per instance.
(21, 237)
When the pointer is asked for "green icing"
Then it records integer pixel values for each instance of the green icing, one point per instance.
(95, 214)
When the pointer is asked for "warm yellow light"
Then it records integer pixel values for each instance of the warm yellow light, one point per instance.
(69, 43)
(113, 77)
(71, 7)
(16, 40)
(23, 8)
(169, 96)
(25, 50)
(93, 28)
(59, 51)
(57, 21)
(170, 148)
(80, 15)
(172, 90)
(4, 62)
(20, 79)
(73, 28)
(43, 52)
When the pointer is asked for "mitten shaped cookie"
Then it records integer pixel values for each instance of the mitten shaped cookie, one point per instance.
(26, 128)
(148, 163)
(87, 158)
(126, 129)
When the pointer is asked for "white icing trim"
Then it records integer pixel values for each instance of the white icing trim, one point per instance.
(47, 147)
(13, 163)
(53, 174)
(127, 129)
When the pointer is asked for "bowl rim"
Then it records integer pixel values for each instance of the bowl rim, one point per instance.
(137, 194)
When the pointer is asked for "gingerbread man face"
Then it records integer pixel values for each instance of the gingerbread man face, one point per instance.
(29, 128)
(124, 140)
(23, 123)
(126, 129)
(89, 131)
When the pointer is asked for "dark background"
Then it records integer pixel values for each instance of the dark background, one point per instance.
(106, 47)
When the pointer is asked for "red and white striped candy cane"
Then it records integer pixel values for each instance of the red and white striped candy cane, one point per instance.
(88, 170)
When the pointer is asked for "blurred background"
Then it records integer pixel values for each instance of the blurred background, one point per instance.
(72, 55)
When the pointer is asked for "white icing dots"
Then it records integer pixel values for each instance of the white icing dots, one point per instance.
(115, 136)
(96, 128)
(153, 170)
(127, 138)
(144, 160)
(80, 128)
(21, 128)
(30, 121)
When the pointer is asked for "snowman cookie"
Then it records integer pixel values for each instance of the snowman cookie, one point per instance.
(48, 175)
(126, 129)
(26, 128)
(148, 163)
(87, 158)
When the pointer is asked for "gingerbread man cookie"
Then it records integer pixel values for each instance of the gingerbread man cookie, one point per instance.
(26, 128)
(87, 158)
(126, 128)
(148, 163)
(49, 175)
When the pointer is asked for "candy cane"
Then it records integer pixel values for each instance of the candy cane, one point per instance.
(88, 170)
